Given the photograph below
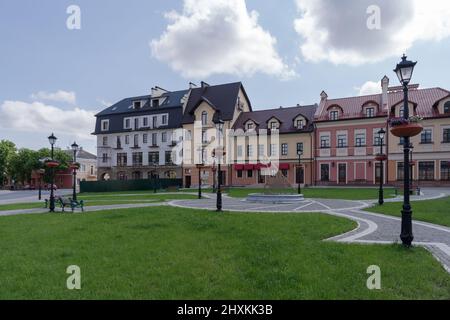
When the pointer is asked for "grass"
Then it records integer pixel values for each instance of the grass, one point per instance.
(172, 253)
(107, 199)
(433, 211)
(323, 193)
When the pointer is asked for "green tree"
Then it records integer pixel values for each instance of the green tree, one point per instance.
(7, 150)
(22, 164)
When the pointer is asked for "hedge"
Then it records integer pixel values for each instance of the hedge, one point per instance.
(129, 185)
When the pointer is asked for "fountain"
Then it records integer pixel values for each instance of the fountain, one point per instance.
(274, 183)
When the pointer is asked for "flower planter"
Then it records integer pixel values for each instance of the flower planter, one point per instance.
(74, 166)
(407, 130)
(52, 164)
(381, 157)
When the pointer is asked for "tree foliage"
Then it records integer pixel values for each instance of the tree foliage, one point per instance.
(7, 150)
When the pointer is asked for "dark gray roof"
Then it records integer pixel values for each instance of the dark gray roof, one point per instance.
(285, 115)
(123, 106)
(221, 97)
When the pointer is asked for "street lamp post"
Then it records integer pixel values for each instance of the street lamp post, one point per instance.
(381, 134)
(52, 139)
(219, 127)
(199, 166)
(404, 71)
(75, 150)
(299, 153)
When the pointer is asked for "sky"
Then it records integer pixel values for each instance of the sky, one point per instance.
(61, 61)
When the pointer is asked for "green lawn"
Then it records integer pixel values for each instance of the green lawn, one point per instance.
(172, 253)
(434, 211)
(323, 193)
(107, 199)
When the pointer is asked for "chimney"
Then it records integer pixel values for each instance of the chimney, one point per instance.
(384, 94)
(323, 101)
(192, 85)
(204, 84)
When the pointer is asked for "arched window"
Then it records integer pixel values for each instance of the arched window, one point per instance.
(204, 118)
(121, 176)
(447, 107)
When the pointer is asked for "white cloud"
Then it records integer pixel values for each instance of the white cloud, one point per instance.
(218, 37)
(337, 31)
(59, 96)
(368, 88)
(38, 117)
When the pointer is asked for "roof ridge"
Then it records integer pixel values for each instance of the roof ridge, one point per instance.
(284, 108)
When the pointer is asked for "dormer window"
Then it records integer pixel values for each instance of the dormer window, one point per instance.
(155, 103)
(204, 118)
(137, 104)
(250, 126)
(300, 124)
(105, 125)
(447, 107)
(334, 115)
(273, 125)
(370, 112)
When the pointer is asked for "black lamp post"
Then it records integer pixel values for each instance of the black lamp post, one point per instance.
(381, 134)
(404, 71)
(52, 139)
(299, 153)
(219, 154)
(199, 166)
(75, 150)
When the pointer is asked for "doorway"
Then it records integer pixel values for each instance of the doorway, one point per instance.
(188, 182)
(342, 173)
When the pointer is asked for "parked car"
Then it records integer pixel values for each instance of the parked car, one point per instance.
(29, 187)
(49, 186)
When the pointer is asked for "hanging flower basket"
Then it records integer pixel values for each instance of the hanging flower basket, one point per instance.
(74, 166)
(381, 157)
(401, 127)
(52, 164)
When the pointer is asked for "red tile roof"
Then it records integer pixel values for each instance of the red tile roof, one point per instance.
(425, 99)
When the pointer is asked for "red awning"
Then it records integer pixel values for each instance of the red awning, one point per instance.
(238, 167)
(260, 166)
(248, 167)
(284, 166)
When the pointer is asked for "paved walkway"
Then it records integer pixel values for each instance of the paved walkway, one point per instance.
(372, 227)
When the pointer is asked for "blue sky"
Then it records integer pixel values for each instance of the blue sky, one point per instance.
(111, 57)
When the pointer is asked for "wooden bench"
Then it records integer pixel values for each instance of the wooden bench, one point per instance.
(68, 202)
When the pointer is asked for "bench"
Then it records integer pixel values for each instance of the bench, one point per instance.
(172, 189)
(68, 202)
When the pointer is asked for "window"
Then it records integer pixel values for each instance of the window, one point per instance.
(325, 172)
(145, 121)
(402, 141)
(127, 123)
(118, 143)
(376, 138)
(153, 158)
(204, 118)
(250, 126)
(300, 124)
(402, 112)
(92, 170)
(188, 135)
(239, 151)
(426, 136)
(154, 139)
(137, 158)
(370, 112)
(127, 139)
(155, 122)
(342, 140)
(121, 159)
(426, 170)
(334, 115)
(239, 173)
(446, 136)
(155, 103)
(122, 176)
(164, 119)
(260, 150)
(400, 171)
(145, 138)
(204, 136)
(105, 141)
(104, 157)
(249, 150)
(299, 147)
(164, 137)
(360, 140)
(325, 142)
(273, 150)
(447, 107)
(168, 157)
(273, 125)
(105, 125)
(136, 123)
(249, 173)
(136, 141)
(445, 170)
(284, 149)
(137, 104)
